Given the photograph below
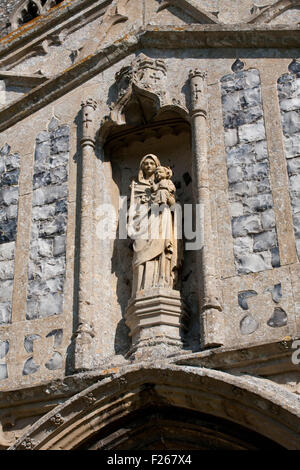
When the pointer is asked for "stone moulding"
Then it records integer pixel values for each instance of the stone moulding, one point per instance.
(156, 314)
(206, 36)
(247, 401)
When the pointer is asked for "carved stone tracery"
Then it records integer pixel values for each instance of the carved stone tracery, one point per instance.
(30, 9)
(142, 96)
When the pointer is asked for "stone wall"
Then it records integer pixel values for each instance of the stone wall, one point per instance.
(46, 272)
(9, 174)
(289, 100)
(251, 201)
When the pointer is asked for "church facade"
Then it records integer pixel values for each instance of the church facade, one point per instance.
(149, 224)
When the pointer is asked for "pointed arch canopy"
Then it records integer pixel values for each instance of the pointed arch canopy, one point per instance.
(109, 410)
(27, 10)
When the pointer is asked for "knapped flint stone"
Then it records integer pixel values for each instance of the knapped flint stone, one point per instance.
(275, 260)
(295, 202)
(11, 211)
(28, 342)
(231, 103)
(237, 65)
(292, 146)
(276, 292)
(57, 337)
(248, 325)
(294, 66)
(245, 225)
(59, 175)
(295, 184)
(5, 150)
(45, 248)
(61, 207)
(4, 348)
(290, 104)
(264, 241)
(252, 78)
(50, 304)
(252, 132)
(293, 165)
(253, 263)
(59, 245)
(236, 209)
(251, 97)
(53, 124)
(7, 251)
(278, 319)
(296, 222)
(6, 288)
(268, 219)
(61, 131)
(8, 231)
(42, 151)
(9, 196)
(43, 212)
(256, 171)
(259, 203)
(5, 313)
(58, 160)
(2, 165)
(10, 178)
(6, 270)
(54, 227)
(261, 150)
(49, 194)
(12, 162)
(55, 362)
(241, 154)
(53, 267)
(3, 372)
(291, 123)
(235, 174)
(43, 136)
(30, 367)
(60, 145)
(244, 188)
(41, 179)
(243, 245)
(263, 187)
(243, 298)
(231, 137)
(285, 86)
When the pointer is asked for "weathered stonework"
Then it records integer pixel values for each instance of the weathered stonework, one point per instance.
(84, 364)
(251, 201)
(289, 100)
(46, 271)
(9, 174)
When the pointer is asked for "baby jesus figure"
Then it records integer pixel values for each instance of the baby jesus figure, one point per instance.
(163, 189)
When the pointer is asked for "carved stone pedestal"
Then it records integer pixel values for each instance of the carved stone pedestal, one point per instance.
(156, 319)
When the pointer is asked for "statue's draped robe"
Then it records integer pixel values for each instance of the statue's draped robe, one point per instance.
(156, 247)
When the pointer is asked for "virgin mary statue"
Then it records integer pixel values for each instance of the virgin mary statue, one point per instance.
(153, 227)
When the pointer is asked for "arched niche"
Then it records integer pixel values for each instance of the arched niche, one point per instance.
(145, 120)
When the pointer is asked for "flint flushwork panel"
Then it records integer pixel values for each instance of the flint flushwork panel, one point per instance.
(47, 264)
(289, 100)
(251, 201)
(9, 195)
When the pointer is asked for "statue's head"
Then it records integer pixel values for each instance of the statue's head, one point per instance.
(148, 165)
(163, 172)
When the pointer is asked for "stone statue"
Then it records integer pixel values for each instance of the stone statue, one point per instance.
(153, 226)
